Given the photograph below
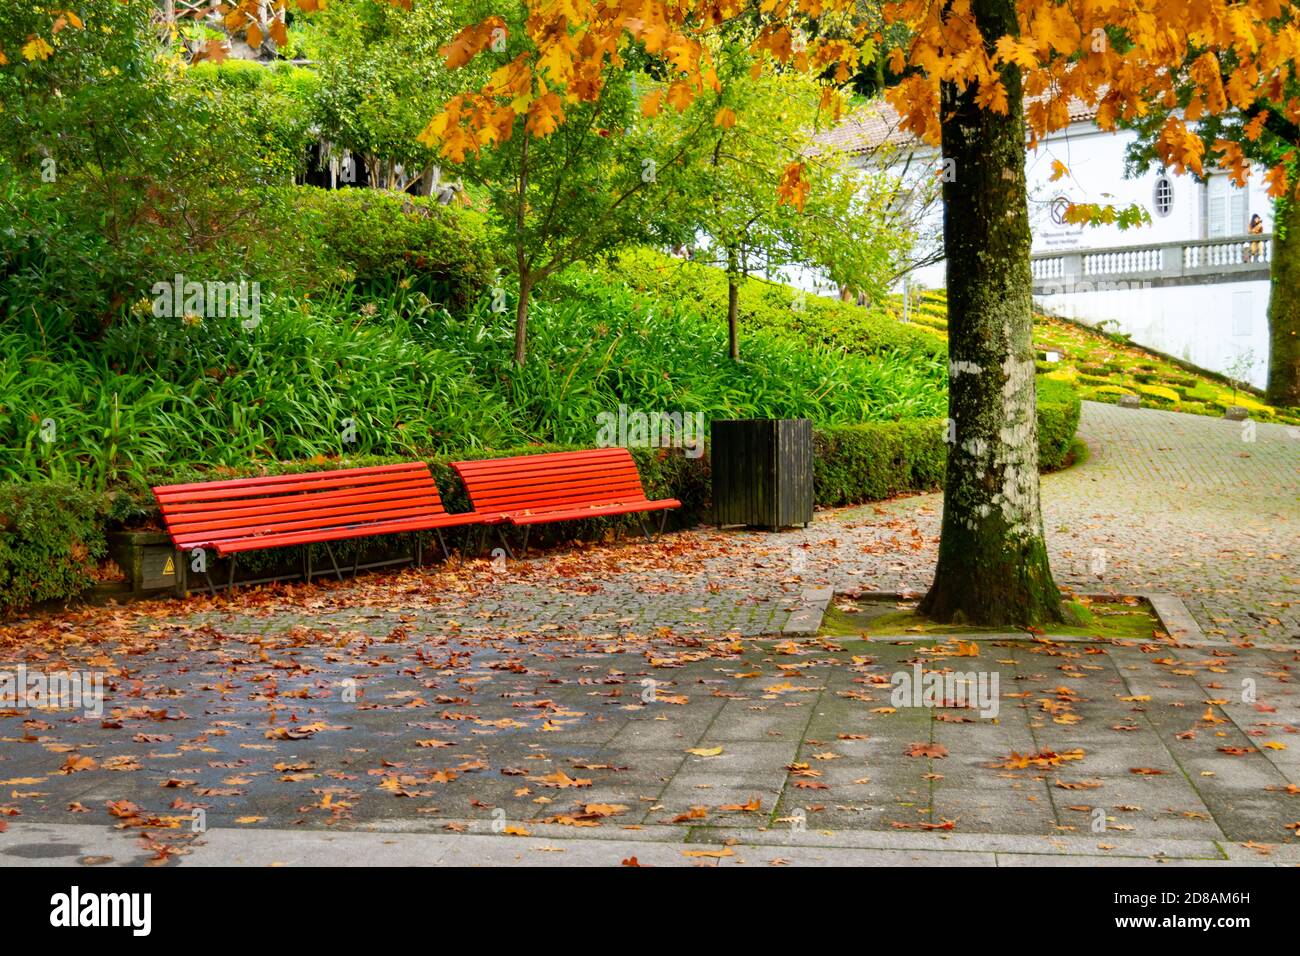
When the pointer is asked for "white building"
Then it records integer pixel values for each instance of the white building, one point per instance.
(1192, 284)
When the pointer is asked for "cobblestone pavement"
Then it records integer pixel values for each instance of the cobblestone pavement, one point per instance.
(1089, 752)
(1170, 502)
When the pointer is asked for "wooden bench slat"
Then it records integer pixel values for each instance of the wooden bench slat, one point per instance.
(525, 501)
(326, 519)
(218, 512)
(284, 540)
(246, 514)
(301, 477)
(165, 496)
(564, 486)
(631, 507)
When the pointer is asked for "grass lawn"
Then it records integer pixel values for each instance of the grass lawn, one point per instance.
(1118, 620)
(1103, 367)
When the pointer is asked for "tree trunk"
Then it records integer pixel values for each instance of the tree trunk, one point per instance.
(521, 320)
(993, 567)
(733, 309)
(1284, 306)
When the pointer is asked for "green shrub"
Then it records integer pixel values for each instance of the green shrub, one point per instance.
(275, 107)
(51, 538)
(1058, 420)
(868, 462)
(376, 240)
(1095, 380)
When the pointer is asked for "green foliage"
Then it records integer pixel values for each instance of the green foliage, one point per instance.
(845, 227)
(157, 391)
(771, 306)
(1058, 420)
(381, 78)
(115, 174)
(875, 460)
(375, 240)
(51, 537)
(413, 380)
(274, 105)
(868, 462)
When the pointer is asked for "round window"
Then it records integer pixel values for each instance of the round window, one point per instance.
(1163, 195)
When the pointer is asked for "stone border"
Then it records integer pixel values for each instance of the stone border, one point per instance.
(711, 846)
(807, 617)
(1170, 612)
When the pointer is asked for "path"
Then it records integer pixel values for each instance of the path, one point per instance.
(601, 701)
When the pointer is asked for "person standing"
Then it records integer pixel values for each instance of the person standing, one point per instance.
(1256, 228)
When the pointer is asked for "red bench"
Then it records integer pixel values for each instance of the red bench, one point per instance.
(248, 514)
(565, 486)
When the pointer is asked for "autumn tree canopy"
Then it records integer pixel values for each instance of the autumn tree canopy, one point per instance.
(1120, 58)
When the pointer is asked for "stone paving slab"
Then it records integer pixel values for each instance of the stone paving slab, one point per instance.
(758, 738)
(448, 699)
(68, 844)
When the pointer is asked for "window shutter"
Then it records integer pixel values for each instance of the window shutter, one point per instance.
(1216, 207)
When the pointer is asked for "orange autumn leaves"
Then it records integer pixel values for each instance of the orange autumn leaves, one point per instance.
(1122, 59)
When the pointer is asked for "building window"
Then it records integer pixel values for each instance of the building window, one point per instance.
(1225, 208)
(1164, 195)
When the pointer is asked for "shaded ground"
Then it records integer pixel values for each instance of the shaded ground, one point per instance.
(563, 698)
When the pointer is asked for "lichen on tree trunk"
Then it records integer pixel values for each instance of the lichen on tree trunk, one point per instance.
(993, 566)
(1284, 307)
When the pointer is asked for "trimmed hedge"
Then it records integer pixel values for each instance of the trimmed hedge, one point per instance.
(1058, 420)
(278, 106)
(51, 539)
(874, 460)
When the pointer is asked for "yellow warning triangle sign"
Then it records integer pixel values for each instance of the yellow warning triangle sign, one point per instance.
(169, 567)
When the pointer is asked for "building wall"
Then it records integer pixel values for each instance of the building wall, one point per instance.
(1096, 163)
(1213, 325)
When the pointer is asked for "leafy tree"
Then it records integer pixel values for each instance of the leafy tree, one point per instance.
(758, 127)
(381, 77)
(569, 178)
(968, 76)
(114, 170)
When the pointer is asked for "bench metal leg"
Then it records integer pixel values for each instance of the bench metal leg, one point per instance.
(501, 533)
(207, 577)
(663, 520)
(330, 552)
(446, 555)
(523, 551)
(230, 582)
(419, 550)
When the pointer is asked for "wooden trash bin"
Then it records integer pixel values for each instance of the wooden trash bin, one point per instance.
(762, 472)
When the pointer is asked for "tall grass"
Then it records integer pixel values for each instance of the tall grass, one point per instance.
(401, 376)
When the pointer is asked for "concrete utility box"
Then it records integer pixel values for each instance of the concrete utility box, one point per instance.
(762, 472)
(149, 559)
